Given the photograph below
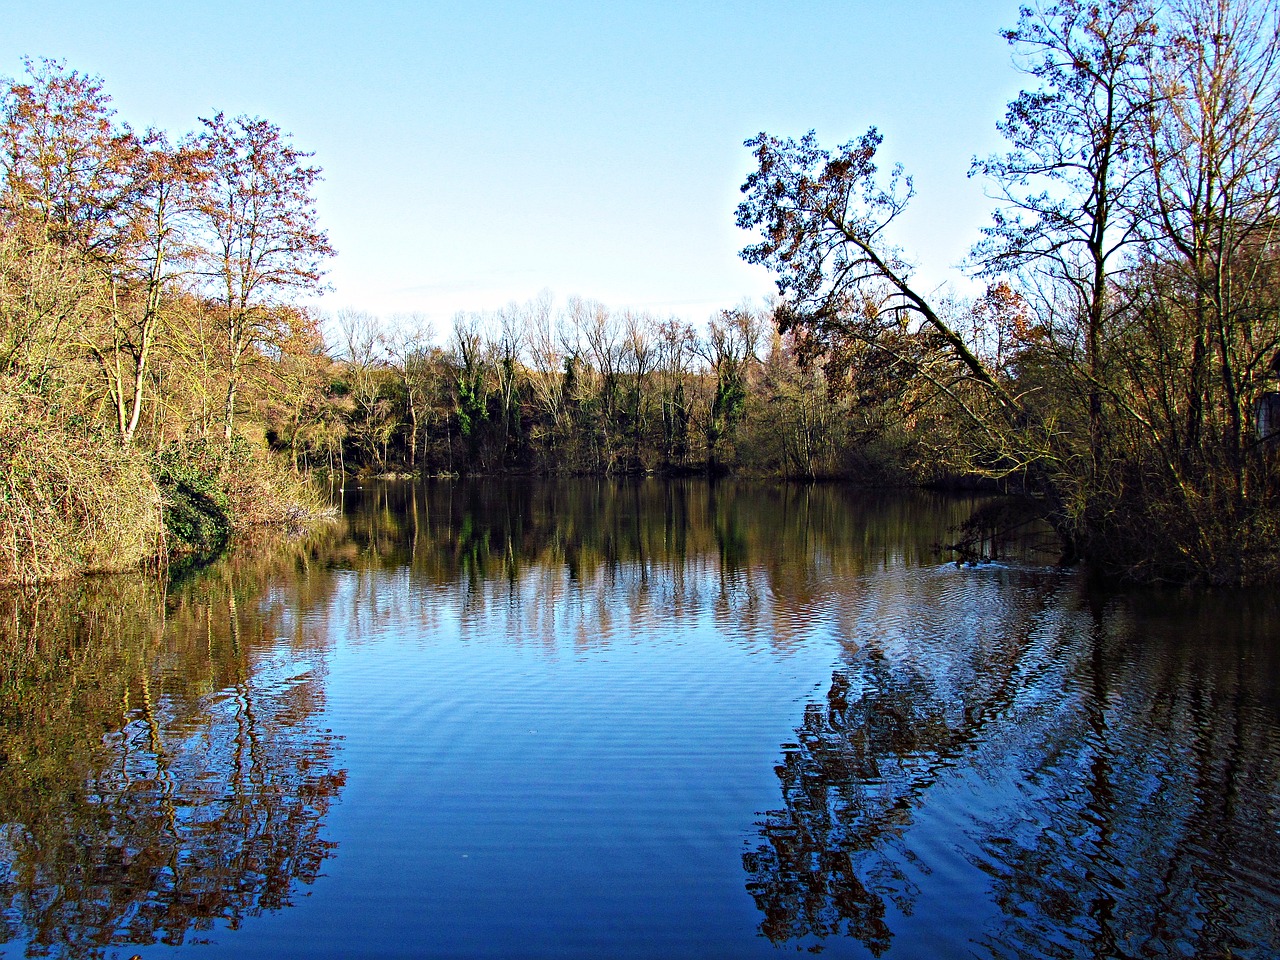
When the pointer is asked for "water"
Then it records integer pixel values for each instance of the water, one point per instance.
(636, 720)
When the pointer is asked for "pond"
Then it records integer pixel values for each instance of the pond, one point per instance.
(650, 719)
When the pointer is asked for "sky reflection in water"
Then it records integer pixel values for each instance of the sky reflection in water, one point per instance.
(636, 720)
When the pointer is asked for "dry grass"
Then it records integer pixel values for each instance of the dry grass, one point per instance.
(70, 502)
(264, 491)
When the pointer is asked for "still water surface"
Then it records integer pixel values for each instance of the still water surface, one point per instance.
(636, 720)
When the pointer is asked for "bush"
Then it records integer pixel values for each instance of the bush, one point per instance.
(70, 501)
(211, 492)
(197, 510)
(262, 490)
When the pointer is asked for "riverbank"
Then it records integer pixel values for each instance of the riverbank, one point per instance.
(76, 502)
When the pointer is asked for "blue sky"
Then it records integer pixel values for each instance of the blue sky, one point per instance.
(479, 153)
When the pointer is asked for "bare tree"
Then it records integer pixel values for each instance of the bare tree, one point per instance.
(363, 342)
(408, 346)
(639, 357)
(257, 206)
(546, 378)
(600, 336)
(1214, 150)
(677, 347)
(504, 346)
(1070, 184)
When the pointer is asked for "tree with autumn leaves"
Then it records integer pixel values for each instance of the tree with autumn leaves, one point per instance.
(225, 217)
(143, 283)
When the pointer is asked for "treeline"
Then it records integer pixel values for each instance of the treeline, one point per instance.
(1122, 368)
(581, 389)
(154, 346)
(148, 298)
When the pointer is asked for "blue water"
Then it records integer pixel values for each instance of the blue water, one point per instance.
(666, 722)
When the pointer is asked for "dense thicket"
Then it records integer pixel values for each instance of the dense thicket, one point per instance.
(145, 298)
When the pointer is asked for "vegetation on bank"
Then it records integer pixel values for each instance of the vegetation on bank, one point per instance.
(75, 502)
(146, 288)
(1121, 369)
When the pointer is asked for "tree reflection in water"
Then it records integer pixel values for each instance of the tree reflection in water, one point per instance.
(162, 766)
(1151, 829)
(1127, 776)
(555, 559)
(1083, 776)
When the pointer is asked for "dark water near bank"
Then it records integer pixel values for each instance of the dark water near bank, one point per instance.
(592, 720)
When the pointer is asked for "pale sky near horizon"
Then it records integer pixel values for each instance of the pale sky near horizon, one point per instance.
(476, 154)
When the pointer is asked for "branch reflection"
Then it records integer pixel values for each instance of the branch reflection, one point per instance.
(162, 761)
(1130, 770)
(1148, 826)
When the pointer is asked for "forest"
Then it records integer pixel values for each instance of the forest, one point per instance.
(164, 380)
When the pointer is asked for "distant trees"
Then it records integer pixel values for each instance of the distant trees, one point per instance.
(150, 287)
(575, 389)
(410, 354)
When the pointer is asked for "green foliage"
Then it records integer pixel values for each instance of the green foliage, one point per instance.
(211, 492)
(726, 408)
(472, 406)
(197, 509)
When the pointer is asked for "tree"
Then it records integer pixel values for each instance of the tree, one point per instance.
(639, 356)
(1069, 185)
(1214, 148)
(796, 417)
(363, 351)
(729, 348)
(46, 294)
(68, 165)
(300, 385)
(503, 348)
(409, 351)
(472, 407)
(677, 346)
(110, 204)
(601, 337)
(1114, 366)
(258, 209)
(546, 376)
(155, 251)
(823, 217)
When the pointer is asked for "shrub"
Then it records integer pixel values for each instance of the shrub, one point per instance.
(70, 501)
(197, 510)
(211, 492)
